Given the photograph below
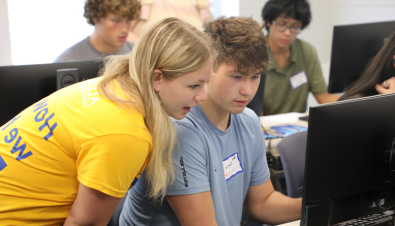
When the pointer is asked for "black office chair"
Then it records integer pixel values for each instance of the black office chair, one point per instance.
(114, 221)
(292, 150)
(256, 103)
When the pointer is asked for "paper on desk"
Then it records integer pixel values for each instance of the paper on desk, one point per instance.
(283, 118)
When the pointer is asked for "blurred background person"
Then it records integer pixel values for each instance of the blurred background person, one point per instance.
(195, 12)
(294, 69)
(112, 21)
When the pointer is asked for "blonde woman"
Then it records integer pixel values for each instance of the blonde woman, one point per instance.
(72, 156)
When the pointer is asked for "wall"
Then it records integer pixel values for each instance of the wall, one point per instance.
(5, 44)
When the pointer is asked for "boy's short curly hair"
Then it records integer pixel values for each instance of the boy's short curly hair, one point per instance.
(239, 40)
(96, 9)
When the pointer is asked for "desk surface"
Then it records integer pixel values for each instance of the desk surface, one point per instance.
(291, 118)
(293, 223)
(282, 119)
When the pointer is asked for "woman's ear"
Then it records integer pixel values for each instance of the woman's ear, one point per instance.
(393, 58)
(157, 78)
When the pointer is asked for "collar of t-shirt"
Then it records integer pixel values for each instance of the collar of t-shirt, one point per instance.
(273, 63)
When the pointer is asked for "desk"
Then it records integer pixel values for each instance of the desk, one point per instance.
(293, 223)
(291, 118)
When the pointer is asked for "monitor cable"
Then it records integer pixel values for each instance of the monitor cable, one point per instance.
(391, 154)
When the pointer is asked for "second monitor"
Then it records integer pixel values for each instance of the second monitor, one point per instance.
(350, 160)
(22, 86)
(353, 46)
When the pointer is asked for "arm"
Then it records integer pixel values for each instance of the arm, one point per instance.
(91, 207)
(196, 209)
(132, 37)
(190, 195)
(269, 206)
(205, 14)
(144, 15)
(145, 11)
(326, 98)
(381, 89)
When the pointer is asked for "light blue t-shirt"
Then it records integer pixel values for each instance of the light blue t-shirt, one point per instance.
(224, 162)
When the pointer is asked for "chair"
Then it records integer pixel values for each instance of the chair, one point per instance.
(114, 221)
(292, 150)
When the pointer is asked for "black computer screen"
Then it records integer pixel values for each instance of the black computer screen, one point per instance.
(256, 103)
(353, 46)
(22, 86)
(350, 159)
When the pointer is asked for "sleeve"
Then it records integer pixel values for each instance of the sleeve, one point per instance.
(202, 3)
(316, 80)
(60, 58)
(110, 163)
(189, 161)
(260, 171)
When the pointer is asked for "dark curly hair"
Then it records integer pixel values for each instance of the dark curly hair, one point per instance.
(96, 9)
(238, 40)
(297, 9)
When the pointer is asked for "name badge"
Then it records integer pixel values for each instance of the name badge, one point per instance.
(232, 166)
(298, 79)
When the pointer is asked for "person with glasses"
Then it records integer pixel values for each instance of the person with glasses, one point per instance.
(294, 69)
(112, 21)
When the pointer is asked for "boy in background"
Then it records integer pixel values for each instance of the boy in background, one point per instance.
(112, 22)
(294, 69)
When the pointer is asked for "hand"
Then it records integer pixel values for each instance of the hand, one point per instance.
(382, 89)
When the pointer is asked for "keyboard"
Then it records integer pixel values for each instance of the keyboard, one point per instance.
(375, 219)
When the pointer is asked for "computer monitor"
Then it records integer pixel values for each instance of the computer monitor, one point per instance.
(256, 104)
(22, 86)
(353, 46)
(350, 160)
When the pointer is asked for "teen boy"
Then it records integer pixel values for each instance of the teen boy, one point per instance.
(112, 22)
(220, 162)
(294, 69)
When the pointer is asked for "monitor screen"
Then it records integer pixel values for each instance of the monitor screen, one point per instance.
(22, 86)
(256, 104)
(353, 46)
(350, 160)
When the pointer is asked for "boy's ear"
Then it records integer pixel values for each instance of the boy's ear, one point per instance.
(157, 78)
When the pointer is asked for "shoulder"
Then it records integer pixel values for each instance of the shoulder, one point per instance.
(187, 130)
(248, 118)
(126, 48)
(72, 52)
(305, 48)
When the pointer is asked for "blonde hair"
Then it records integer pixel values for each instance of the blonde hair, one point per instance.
(175, 48)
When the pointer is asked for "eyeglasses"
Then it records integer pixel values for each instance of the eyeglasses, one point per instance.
(283, 27)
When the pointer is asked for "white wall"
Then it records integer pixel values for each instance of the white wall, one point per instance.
(5, 43)
(226, 8)
(46, 29)
(325, 15)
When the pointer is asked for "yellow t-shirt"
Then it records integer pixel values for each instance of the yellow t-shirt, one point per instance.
(72, 136)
